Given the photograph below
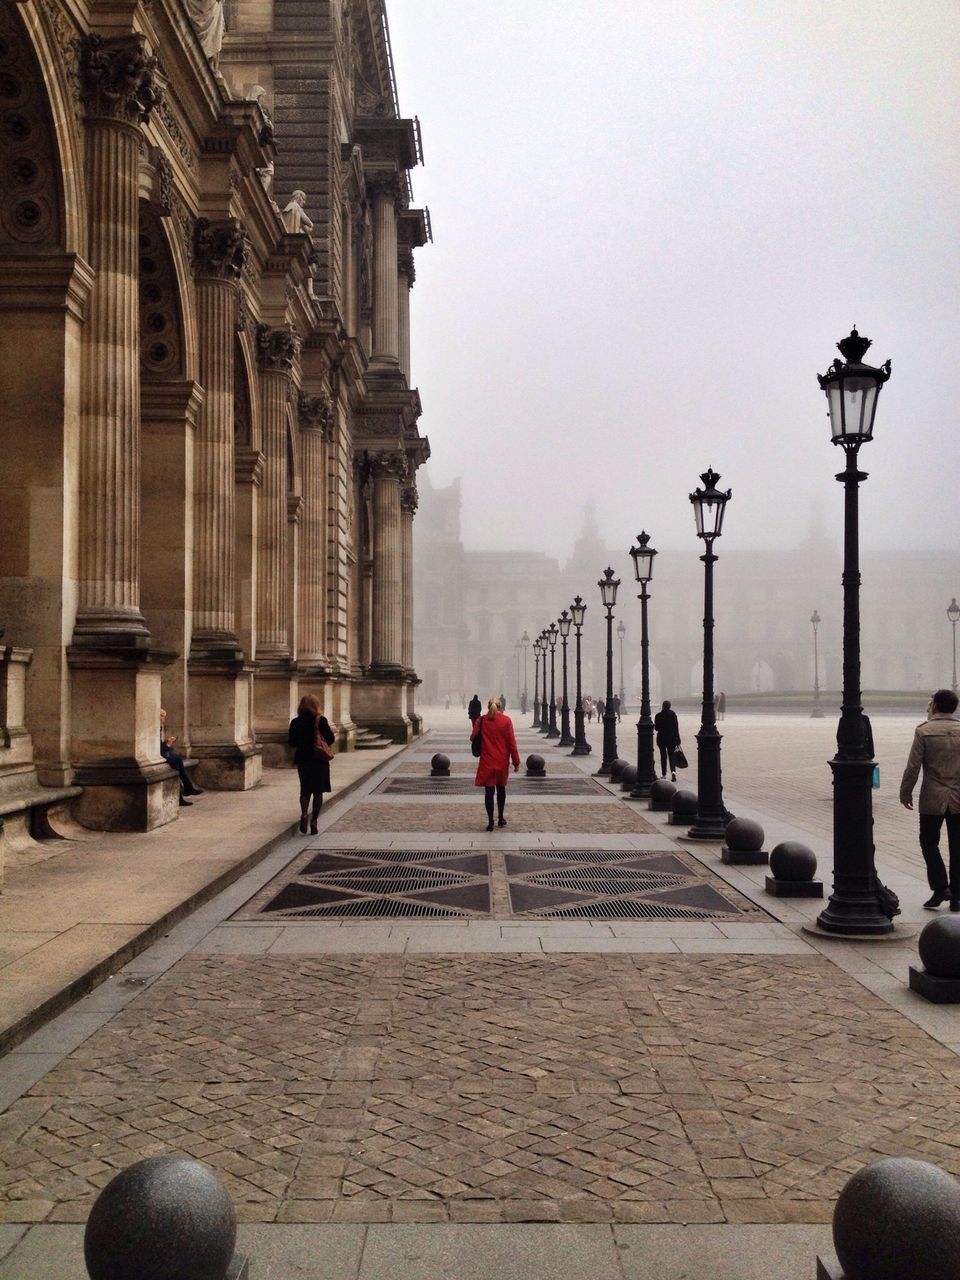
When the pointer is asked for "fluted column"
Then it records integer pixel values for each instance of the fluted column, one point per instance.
(218, 256)
(388, 469)
(408, 507)
(316, 421)
(348, 272)
(405, 277)
(120, 85)
(386, 320)
(277, 350)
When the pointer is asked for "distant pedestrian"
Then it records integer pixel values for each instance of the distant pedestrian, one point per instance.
(667, 728)
(588, 707)
(474, 709)
(721, 706)
(503, 701)
(308, 729)
(447, 702)
(936, 751)
(498, 749)
(616, 705)
(601, 708)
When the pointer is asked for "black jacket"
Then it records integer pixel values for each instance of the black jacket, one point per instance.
(668, 728)
(301, 736)
(474, 708)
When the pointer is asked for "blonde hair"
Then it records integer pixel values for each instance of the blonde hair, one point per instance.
(309, 703)
(493, 706)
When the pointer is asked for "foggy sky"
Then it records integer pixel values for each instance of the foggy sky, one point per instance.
(653, 221)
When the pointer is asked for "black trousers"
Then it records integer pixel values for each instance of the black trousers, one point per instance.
(667, 754)
(930, 824)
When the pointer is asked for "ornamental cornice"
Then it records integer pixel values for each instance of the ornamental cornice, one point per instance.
(219, 249)
(277, 349)
(119, 80)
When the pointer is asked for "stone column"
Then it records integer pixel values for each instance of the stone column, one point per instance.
(115, 675)
(220, 674)
(277, 350)
(408, 507)
(348, 275)
(405, 276)
(388, 469)
(120, 86)
(386, 317)
(316, 422)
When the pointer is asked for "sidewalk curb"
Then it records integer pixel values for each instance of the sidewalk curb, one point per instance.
(17, 1032)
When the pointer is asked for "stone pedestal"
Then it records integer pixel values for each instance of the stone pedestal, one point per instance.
(221, 719)
(275, 698)
(744, 857)
(936, 990)
(380, 703)
(793, 888)
(828, 1268)
(16, 745)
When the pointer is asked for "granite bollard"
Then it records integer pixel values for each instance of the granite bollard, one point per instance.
(793, 865)
(439, 765)
(939, 947)
(744, 847)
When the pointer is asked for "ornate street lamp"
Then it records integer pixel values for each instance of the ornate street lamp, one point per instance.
(643, 555)
(565, 739)
(608, 596)
(516, 650)
(536, 684)
(621, 632)
(817, 712)
(544, 705)
(581, 746)
(953, 613)
(709, 505)
(524, 645)
(552, 633)
(852, 388)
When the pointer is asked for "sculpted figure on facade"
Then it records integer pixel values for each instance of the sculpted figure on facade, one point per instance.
(295, 215)
(208, 22)
(219, 248)
(119, 79)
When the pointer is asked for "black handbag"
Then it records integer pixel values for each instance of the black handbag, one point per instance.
(476, 740)
(679, 759)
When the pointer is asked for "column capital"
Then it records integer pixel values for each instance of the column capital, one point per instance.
(277, 349)
(389, 464)
(405, 264)
(119, 80)
(219, 248)
(385, 186)
(409, 499)
(315, 412)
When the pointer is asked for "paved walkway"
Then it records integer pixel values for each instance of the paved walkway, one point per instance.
(669, 1085)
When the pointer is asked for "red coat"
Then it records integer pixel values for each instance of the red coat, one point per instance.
(498, 747)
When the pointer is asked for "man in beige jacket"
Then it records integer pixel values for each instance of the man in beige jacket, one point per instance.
(936, 750)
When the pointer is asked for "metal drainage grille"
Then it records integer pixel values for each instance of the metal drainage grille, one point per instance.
(627, 910)
(463, 784)
(395, 855)
(598, 856)
(398, 910)
(607, 880)
(389, 880)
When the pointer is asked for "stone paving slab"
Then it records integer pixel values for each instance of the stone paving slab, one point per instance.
(591, 817)
(484, 1088)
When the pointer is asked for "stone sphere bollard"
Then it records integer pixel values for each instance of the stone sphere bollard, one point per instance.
(793, 861)
(617, 768)
(440, 766)
(793, 866)
(898, 1219)
(939, 947)
(536, 767)
(628, 777)
(683, 808)
(661, 794)
(744, 844)
(166, 1218)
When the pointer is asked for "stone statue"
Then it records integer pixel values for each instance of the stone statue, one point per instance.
(294, 215)
(208, 22)
(266, 176)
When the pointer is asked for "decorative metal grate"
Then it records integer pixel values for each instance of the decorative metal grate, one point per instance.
(373, 907)
(629, 909)
(612, 880)
(390, 879)
(463, 785)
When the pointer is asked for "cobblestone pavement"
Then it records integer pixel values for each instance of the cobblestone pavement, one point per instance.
(594, 818)
(492, 1089)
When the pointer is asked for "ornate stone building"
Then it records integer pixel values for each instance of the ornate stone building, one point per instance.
(208, 433)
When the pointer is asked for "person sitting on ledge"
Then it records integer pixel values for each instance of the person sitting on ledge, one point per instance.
(175, 761)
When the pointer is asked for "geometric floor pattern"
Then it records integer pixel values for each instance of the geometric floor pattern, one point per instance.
(461, 786)
(482, 1088)
(598, 884)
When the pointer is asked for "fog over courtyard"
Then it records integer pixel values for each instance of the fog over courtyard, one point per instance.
(653, 222)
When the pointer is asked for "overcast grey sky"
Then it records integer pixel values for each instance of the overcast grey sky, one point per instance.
(653, 221)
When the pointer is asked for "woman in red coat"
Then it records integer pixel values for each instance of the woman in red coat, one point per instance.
(498, 747)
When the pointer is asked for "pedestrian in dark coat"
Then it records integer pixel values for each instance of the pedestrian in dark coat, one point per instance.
(498, 749)
(314, 770)
(474, 709)
(667, 728)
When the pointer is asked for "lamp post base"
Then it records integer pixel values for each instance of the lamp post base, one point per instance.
(581, 749)
(708, 829)
(853, 915)
(853, 907)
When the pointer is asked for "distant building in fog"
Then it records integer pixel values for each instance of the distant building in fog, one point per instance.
(471, 608)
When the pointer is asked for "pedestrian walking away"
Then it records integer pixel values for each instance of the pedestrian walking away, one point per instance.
(667, 728)
(936, 753)
(498, 750)
(601, 708)
(309, 731)
(721, 705)
(616, 706)
(474, 709)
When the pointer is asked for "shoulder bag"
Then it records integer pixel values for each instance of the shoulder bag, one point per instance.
(476, 741)
(321, 748)
(679, 759)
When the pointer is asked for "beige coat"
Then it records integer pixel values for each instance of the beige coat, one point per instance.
(936, 749)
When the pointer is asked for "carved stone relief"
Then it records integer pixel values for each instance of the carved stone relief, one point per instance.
(277, 349)
(219, 248)
(119, 79)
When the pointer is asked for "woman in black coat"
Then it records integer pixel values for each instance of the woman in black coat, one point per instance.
(314, 770)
